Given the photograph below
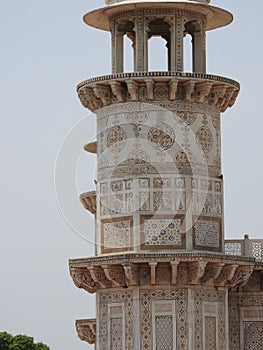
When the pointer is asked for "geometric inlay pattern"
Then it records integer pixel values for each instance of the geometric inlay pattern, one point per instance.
(233, 248)
(253, 335)
(210, 333)
(257, 250)
(116, 333)
(207, 233)
(164, 332)
(162, 232)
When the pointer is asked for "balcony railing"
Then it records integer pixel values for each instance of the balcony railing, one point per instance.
(245, 247)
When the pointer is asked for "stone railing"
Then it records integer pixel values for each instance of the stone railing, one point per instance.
(245, 247)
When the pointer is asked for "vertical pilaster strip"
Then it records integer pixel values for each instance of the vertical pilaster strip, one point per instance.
(191, 319)
(203, 29)
(145, 44)
(119, 51)
(179, 60)
(172, 47)
(140, 43)
(113, 47)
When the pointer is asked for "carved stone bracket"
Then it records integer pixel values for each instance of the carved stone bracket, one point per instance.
(225, 275)
(132, 274)
(117, 90)
(98, 275)
(82, 279)
(88, 199)
(102, 92)
(133, 89)
(203, 91)
(189, 90)
(153, 272)
(196, 271)
(174, 271)
(86, 330)
(212, 271)
(149, 87)
(240, 277)
(115, 274)
(173, 84)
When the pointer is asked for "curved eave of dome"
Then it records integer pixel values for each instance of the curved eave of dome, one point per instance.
(99, 18)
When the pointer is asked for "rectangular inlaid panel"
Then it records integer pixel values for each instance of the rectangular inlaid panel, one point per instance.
(116, 234)
(207, 233)
(162, 232)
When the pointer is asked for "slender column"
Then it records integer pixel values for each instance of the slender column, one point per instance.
(131, 36)
(116, 49)
(179, 44)
(199, 50)
(113, 47)
(119, 51)
(172, 48)
(141, 45)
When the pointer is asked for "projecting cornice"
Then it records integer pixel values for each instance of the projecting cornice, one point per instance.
(113, 271)
(158, 87)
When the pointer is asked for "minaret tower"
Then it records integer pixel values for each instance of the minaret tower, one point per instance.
(160, 274)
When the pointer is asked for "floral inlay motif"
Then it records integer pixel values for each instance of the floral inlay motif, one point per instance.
(182, 158)
(162, 136)
(116, 234)
(116, 138)
(205, 139)
(162, 232)
(186, 117)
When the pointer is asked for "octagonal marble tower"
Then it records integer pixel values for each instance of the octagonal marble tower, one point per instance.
(160, 274)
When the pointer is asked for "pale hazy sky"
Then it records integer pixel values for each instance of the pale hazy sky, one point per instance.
(45, 51)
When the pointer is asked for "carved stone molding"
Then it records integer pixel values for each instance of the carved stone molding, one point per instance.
(88, 199)
(159, 86)
(86, 330)
(107, 272)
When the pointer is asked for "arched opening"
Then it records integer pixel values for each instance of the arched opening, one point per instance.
(159, 38)
(124, 47)
(128, 54)
(157, 54)
(188, 54)
(194, 44)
